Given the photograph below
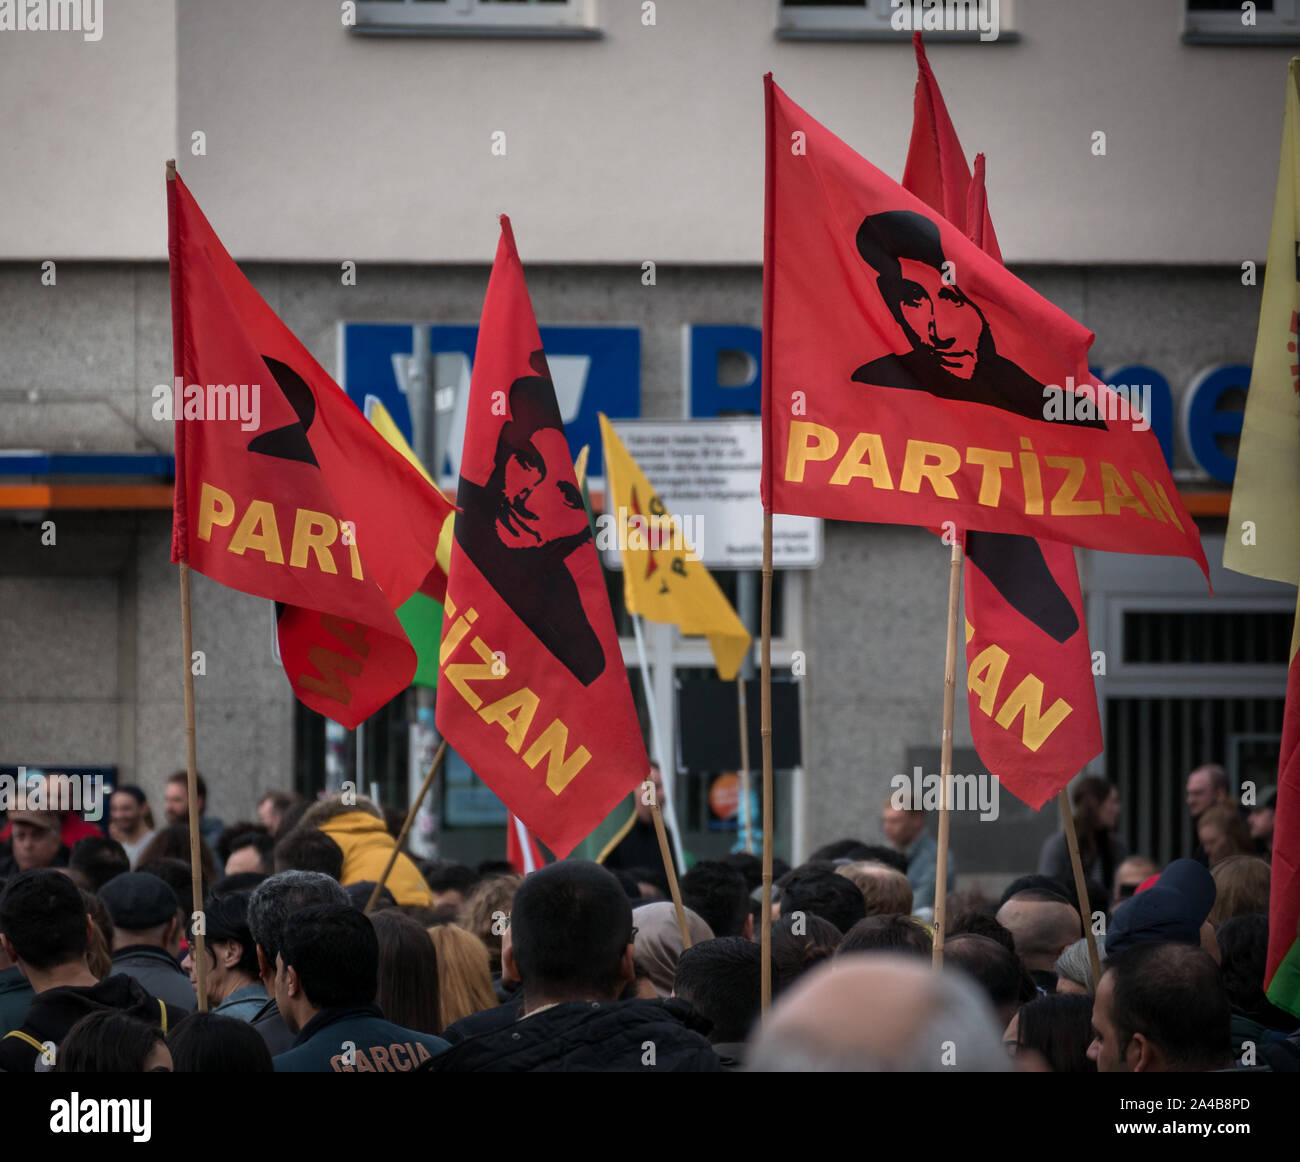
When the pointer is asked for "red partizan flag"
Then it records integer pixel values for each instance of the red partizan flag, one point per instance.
(910, 378)
(283, 490)
(1030, 690)
(532, 690)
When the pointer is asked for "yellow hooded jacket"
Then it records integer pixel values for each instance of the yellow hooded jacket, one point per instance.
(366, 847)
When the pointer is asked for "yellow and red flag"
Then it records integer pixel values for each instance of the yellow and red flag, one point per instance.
(532, 690)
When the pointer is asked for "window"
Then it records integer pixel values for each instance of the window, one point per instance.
(1265, 22)
(960, 20)
(560, 18)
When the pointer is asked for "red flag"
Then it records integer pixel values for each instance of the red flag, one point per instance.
(532, 690)
(522, 852)
(911, 378)
(1030, 690)
(283, 490)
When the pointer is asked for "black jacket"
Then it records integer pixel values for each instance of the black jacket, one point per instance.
(53, 1012)
(272, 1028)
(486, 1020)
(638, 1036)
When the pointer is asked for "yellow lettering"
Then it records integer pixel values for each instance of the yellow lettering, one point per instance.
(1063, 503)
(330, 684)
(986, 675)
(458, 673)
(559, 770)
(515, 713)
(1116, 494)
(917, 464)
(1159, 502)
(1037, 726)
(992, 462)
(215, 508)
(876, 468)
(796, 458)
(314, 531)
(258, 531)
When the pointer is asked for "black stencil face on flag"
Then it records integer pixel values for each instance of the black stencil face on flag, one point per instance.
(521, 525)
(289, 442)
(953, 353)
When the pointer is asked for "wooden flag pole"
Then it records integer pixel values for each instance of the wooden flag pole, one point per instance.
(1080, 885)
(945, 759)
(765, 732)
(670, 866)
(192, 782)
(438, 756)
(742, 709)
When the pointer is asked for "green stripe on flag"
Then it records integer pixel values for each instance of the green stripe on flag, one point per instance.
(1284, 991)
(421, 617)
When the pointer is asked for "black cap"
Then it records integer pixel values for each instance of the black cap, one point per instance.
(1170, 910)
(138, 900)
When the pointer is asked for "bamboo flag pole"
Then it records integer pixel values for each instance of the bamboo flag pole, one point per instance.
(192, 782)
(1080, 885)
(670, 866)
(742, 710)
(438, 756)
(945, 754)
(765, 732)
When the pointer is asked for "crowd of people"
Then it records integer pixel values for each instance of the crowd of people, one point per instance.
(580, 966)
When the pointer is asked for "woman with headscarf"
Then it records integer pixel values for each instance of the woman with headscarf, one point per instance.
(658, 941)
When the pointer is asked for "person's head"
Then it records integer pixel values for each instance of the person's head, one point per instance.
(1222, 832)
(126, 808)
(905, 251)
(1243, 953)
(658, 941)
(1131, 872)
(571, 934)
(876, 1014)
(275, 900)
(173, 842)
(1161, 1008)
(749, 866)
(175, 873)
(972, 920)
(408, 973)
(328, 958)
(821, 892)
(994, 968)
(1175, 908)
(176, 797)
(885, 892)
(1060, 1029)
(228, 945)
(308, 849)
(215, 1043)
(532, 485)
(486, 911)
(464, 978)
(1241, 887)
(718, 894)
(1096, 804)
(1074, 968)
(1207, 786)
(251, 852)
(721, 980)
(43, 921)
(145, 910)
(800, 943)
(272, 806)
(902, 828)
(448, 881)
(1042, 926)
(37, 838)
(900, 934)
(111, 1041)
(99, 956)
(99, 859)
(1261, 816)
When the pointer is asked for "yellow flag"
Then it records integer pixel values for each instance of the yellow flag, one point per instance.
(661, 581)
(1263, 535)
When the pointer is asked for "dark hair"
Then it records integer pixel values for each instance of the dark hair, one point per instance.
(570, 924)
(173, 842)
(44, 917)
(794, 952)
(995, 968)
(887, 934)
(335, 953)
(855, 851)
(1060, 1028)
(241, 835)
(239, 882)
(722, 981)
(1173, 995)
(980, 924)
(1038, 887)
(99, 859)
(131, 789)
(717, 893)
(445, 875)
(280, 800)
(824, 894)
(360, 892)
(213, 1043)
(226, 918)
(291, 817)
(276, 899)
(107, 1041)
(309, 849)
(1096, 844)
(408, 972)
(183, 777)
(176, 874)
(1243, 953)
(749, 866)
(493, 867)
